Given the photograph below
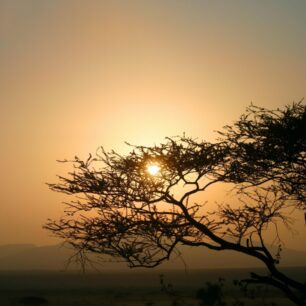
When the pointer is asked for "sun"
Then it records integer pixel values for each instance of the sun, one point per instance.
(153, 169)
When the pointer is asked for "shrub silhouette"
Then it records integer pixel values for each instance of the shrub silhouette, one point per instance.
(211, 295)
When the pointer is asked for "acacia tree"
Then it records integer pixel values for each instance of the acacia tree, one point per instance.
(140, 207)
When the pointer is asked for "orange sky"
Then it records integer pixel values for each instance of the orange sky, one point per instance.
(75, 75)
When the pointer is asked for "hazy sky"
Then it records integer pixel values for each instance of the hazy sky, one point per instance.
(75, 75)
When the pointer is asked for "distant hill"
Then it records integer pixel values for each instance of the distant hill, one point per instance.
(28, 257)
(12, 249)
(55, 257)
(205, 258)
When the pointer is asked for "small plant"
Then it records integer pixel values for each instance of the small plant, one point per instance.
(166, 287)
(212, 294)
(238, 302)
(175, 302)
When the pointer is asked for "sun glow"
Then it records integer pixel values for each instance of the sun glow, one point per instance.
(153, 169)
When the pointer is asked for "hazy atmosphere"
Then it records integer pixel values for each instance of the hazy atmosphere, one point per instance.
(76, 75)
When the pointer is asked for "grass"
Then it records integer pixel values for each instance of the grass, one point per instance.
(137, 288)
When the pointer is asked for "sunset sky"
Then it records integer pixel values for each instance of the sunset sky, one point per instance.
(75, 75)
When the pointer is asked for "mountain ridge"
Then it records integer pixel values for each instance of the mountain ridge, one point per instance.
(56, 257)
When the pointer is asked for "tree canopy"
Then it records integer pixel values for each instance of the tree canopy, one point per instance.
(269, 146)
(125, 210)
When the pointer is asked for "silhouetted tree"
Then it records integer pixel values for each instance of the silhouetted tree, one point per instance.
(129, 213)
